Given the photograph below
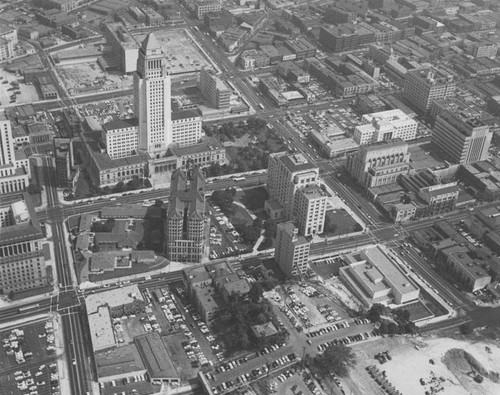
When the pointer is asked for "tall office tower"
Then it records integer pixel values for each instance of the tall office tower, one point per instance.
(214, 90)
(464, 139)
(292, 250)
(423, 86)
(286, 174)
(311, 210)
(385, 125)
(6, 141)
(186, 225)
(65, 162)
(380, 163)
(152, 105)
(22, 263)
(14, 172)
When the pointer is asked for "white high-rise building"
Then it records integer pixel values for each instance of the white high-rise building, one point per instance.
(152, 106)
(311, 210)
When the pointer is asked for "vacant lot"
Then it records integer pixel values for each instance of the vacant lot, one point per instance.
(414, 359)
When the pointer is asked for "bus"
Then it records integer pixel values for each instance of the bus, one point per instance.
(239, 178)
(261, 106)
(29, 308)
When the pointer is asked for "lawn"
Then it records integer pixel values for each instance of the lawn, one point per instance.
(343, 223)
(239, 215)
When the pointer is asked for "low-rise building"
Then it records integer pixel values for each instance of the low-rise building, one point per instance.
(374, 277)
(467, 270)
(204, 153)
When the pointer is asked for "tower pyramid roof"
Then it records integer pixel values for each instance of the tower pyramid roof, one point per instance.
(151, 43)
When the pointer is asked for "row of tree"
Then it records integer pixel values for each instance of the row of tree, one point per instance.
(392, 322)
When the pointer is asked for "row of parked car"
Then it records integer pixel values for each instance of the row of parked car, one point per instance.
(347, 340)
(327, 329)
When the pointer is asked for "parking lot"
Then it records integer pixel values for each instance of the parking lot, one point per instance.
(27, 360)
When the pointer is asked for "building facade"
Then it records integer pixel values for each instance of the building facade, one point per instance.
(121, 137)
(214, 90)
(22, 263)
(186, 224)
(385, 125)
(152, 94)
(292, 250)
(186, 127)
(462, 138)
(423, 86)
(65, 162)
(380, 163)
(311, 210)
(286, 174)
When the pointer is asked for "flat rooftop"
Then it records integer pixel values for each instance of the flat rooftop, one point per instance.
(121, 360)
(155, 356)
(113, 298)
(101, 329)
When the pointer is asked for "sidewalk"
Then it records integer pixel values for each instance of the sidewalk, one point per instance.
(62, 366)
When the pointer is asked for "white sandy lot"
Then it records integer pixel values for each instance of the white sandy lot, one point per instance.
(409, 365)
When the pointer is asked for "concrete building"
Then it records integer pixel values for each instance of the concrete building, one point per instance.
(380, 163)
(65, 162)
(206, 152)
(156, 359)
(311, 209)
(121, 137)
(22, 262)
(14, 172)
(462, 138)
(286, 174)
(186, 225)
(214, 90)
(186, 127)
(152, 86)
(102, 307)
(423, 86)
(124, 47)
(292, 250)
(6, 49)
(385, 125)
(204, 7)
(374, 277)
(468, 271)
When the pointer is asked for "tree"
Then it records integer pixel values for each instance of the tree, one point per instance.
(147, 183)
(223, 199)
(158, 203)
(33, 189)
(250, 234)
(467, 328)
(255, 292)
(336, 359)
(120, 187)
(11, 295)
(376, 311)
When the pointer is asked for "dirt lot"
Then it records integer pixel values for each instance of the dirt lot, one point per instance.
(28, 93)
(414, 359)
(182, 55)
